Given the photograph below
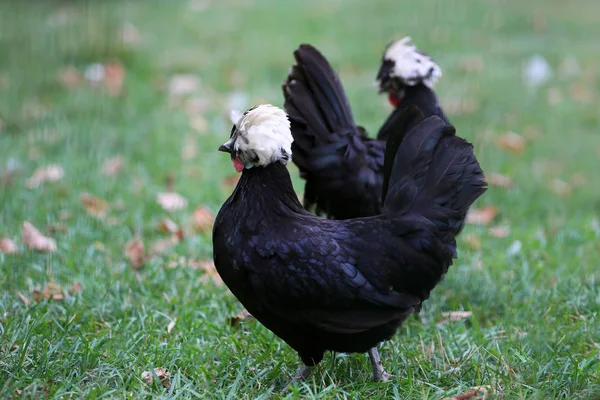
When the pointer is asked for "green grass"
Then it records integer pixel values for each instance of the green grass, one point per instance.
(534, 332)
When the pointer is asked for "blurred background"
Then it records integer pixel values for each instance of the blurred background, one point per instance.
(110, 117)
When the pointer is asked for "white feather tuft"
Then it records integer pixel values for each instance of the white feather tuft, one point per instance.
(264, 131)
(410, 65)
(235, 116)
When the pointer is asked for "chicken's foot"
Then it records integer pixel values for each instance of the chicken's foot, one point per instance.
(379, 374)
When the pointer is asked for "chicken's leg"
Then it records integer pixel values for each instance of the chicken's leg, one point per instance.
(379, 374)
(302, 373)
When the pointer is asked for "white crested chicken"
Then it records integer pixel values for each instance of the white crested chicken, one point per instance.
(341, 164)
(341, 285)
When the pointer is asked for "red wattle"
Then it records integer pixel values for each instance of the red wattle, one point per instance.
(237, 164)
(393, 99)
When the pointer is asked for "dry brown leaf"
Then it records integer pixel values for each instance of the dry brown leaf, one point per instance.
(208, 266)
(94, 206)
(454, 316)
(471, 63)
(114, 76)
(51, 291)
(134, 251)
(183, 84)
(34, 240)
(512, 142)
(171, 201)
(243, 315)
(472, 240)
(113, 165)
(459, 106)
(560, 188)
(581, 93)
(477, 393)
(48, 173)
(163, 245)
(500, 180)
(499, 231)
(161, 373)
(202, 219)
(76, 288)
(8, 246)
(70, 77)
(24, 298)
(167, 225)
(482, 216)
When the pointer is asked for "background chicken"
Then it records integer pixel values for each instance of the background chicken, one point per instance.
(341, 285)
(342, 166)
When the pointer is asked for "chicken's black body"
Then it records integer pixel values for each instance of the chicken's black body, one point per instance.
(347, 285)
(342, 166)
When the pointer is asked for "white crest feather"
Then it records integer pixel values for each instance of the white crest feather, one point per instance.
(235, 116)
(410, 65)
(264, 132)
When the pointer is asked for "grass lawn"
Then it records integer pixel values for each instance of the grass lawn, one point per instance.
(531, 277)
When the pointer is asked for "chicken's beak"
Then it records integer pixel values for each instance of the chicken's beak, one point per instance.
(226, 147)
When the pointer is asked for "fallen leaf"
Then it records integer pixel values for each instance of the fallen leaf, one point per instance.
(34, 240)
(560, 188)
(23, 298)
(478, 393)
(171, 201)
(171, 326)
(94, 206)
(76, 288)
(163, 245)
(134, 251)
(51, 291)
(115, 76)
(500, 180)
(183, 84)
(581, 93)
(243, 315)
(499, 231)
(472, 240)
(48, 173)
(208, 266)
(512, 142)
(454, 316)
(57, 228)
(202, 219)
(161, 373)
(8, 246)
(471, 63)
(167, 225)
(113, 165)
(70, 77)
(482, 216)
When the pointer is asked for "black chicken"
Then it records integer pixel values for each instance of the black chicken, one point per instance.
(342, 166)
(347, 285)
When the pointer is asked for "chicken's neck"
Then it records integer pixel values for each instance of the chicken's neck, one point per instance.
(424, 98)
(269, 187)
